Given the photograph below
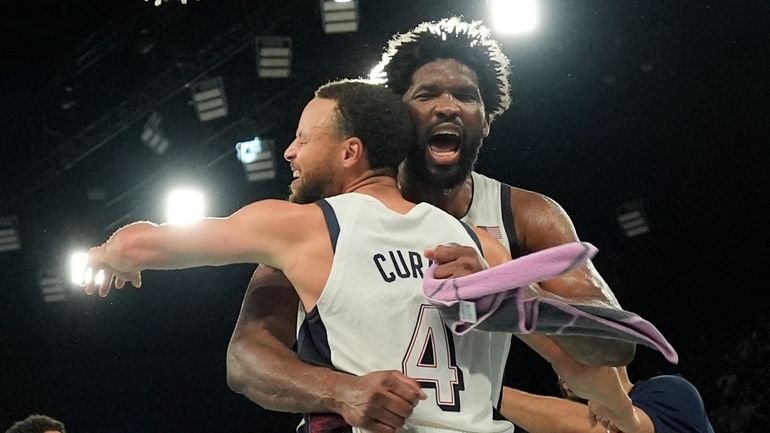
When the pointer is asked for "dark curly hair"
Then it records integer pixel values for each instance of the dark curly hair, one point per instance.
(36, 424)
(374, 114)
(450, 38)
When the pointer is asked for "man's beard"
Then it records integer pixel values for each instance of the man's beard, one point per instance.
(313, 190)
(419, 168)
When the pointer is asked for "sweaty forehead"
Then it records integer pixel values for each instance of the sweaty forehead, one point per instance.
(318, 113)
(444, 72)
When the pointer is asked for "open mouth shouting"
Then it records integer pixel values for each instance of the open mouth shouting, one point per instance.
(294, 175)
(444, 144)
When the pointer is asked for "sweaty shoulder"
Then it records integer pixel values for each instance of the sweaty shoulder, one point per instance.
(291, 219)
(283, 207)
(540, 221)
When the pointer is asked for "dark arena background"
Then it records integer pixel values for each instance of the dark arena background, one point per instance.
(618, 106)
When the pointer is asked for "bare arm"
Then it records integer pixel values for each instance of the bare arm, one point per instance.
(262, 367)
(606, 387)
(541, 223)
(542, 414)
(260, 362)
(262, 232)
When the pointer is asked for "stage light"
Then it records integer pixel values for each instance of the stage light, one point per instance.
(257, 158)
(339, 17)
(273, 57)
(513, 16)
(78, 266)
(209, 99)
(185, 206)
(152, 136)
(9, 234)
(632, 218)
(51, 286)
(99, 278)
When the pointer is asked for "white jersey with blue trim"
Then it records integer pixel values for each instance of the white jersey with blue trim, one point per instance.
(374, 315)
(486, 212)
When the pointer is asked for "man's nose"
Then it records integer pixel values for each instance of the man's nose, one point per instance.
(290, 152)
(447, 105)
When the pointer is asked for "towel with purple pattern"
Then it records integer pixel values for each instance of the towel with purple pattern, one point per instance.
(499, 299)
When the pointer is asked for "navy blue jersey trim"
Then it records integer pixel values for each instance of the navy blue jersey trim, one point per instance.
(313, 347)
(508, 222)
(313, 342)
(473, 236)
(331, 221)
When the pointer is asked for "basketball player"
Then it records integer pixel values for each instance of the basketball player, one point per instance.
(347, 242)
(454, 78)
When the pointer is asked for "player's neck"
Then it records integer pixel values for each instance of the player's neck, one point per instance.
(381, 185)
(455, 201)
(373, 182)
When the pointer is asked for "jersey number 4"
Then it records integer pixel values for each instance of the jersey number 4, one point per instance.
(430, 359)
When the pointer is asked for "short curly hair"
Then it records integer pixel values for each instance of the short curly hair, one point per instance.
(376, 115)
(450, 38)
(36, 423)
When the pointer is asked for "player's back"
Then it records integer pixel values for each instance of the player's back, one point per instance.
(372, 315)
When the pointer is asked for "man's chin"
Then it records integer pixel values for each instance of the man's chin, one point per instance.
(446, 176)
(434, 175)
(298, 197)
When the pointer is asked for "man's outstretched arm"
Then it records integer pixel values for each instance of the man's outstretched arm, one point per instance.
(262, 366)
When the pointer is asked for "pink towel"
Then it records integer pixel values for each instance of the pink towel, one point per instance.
(498, 301)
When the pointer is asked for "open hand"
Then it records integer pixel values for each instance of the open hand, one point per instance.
(98, 264)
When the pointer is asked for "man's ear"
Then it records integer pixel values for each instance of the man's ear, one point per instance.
(353, 151)
(486, 126)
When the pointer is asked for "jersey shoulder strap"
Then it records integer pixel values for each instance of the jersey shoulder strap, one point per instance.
(331, 221)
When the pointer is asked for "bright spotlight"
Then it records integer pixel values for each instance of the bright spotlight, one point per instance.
(99, 278)
(184, 206)
(513, 16)
(78, 264)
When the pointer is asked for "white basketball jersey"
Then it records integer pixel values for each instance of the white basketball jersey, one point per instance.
(486, 212)
(372, 314)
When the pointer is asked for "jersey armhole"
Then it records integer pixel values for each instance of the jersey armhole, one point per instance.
(473, 236)
(508, 222)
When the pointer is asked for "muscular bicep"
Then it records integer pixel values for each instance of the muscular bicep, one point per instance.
(541, 223)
